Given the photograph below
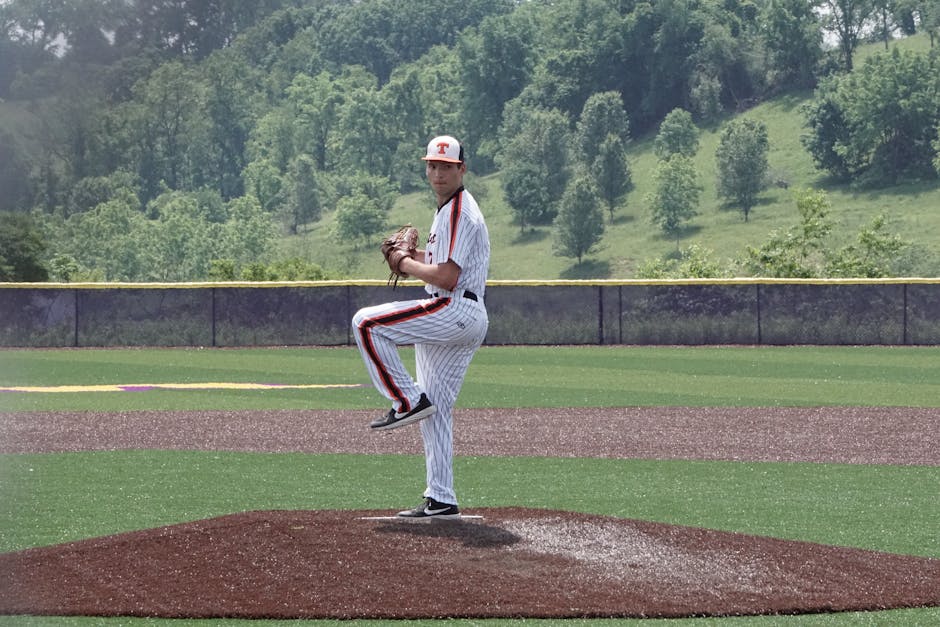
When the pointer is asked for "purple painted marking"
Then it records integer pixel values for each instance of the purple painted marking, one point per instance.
(137, 388)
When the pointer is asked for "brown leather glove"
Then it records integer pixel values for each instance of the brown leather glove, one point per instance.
(400, 244)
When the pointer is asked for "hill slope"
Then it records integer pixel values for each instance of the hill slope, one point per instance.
(632, 238)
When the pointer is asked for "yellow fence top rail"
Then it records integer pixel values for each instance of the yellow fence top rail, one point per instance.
(509, 283)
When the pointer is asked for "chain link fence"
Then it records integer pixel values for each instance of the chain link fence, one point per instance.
(693, 312)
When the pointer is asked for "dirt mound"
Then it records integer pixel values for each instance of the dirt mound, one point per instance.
(512, 562)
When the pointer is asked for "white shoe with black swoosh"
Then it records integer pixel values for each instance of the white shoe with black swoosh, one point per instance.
(394, 419)
(432, 509)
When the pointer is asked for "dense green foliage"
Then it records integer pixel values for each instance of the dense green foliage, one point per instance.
(21, 249)
(137, 111)
(879, 123)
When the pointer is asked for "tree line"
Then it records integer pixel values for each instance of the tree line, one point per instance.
(177, 140)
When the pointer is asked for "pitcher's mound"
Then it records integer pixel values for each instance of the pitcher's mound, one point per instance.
(513, 562)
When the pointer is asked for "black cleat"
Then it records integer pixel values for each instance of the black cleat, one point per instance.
(393, 419)
(432, 509)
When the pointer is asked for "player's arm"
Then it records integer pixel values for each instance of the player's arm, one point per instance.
(443, 275)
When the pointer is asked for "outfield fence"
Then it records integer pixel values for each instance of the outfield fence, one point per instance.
(682, 312)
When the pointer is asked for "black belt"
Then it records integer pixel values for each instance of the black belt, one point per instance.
(466, 294)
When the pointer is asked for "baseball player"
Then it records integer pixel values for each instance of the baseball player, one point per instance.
(446, 328)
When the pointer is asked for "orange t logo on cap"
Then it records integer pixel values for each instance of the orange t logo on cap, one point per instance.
(442, 148)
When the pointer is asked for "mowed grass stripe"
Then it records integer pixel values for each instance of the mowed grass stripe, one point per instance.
(500, 376)
(52, 498)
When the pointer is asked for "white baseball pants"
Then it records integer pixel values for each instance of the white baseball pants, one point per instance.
(446, 332)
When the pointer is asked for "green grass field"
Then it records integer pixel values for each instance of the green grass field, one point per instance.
(50, 498)
(500, 376)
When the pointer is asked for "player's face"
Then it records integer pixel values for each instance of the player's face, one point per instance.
(445, 178)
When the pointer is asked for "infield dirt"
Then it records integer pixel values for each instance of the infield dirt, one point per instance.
(515, 562)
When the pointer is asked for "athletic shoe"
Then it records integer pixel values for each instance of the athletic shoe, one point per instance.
(394, 419)
(432, 509)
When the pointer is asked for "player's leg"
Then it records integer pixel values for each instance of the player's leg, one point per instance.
(379, 331)
(441, 370)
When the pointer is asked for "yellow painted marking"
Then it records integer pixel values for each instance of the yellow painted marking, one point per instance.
(123, 387)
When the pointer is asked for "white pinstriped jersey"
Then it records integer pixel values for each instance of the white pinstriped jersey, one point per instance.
(445, 329)
(459, 233)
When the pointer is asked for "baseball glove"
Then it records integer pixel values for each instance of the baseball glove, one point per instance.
(400, 244)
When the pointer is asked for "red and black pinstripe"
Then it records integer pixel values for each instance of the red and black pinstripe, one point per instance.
(392, 318)
(454, 221)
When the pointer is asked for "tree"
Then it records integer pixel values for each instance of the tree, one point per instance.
(535, 167)
(728, 50)
(677, 135)
(180, 28)
(883, 17)
(793, 37)
(404, 105)
(363, 134)
(191, 228)
(377, 189)
(358, 218)
(249, 233)
(170, 120)
(295, 269)
(113, 240)
(579, 225)
(228, 108)
(70, 134)
(675, 196)
(314, 110)
(14, 169)
(277, 135)
(182, 242)
(678, 28)
(602, 116)
(495, 63)
(22, 247)
(705, 97)
(828, 129)
(742, 162)
(302, 202)
(611, 172)
(847, 20)
(383, 34)
(878, 124)
(528, 200)
(578, 53)
(91, 191)
(894, 133)
(936, 149)
(796, 253)
(263, 180)
(875, 255)
(929, 13)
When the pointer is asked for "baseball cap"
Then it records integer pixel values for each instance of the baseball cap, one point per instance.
(444, 148)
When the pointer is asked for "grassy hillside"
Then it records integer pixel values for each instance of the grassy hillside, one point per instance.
(631, 238)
